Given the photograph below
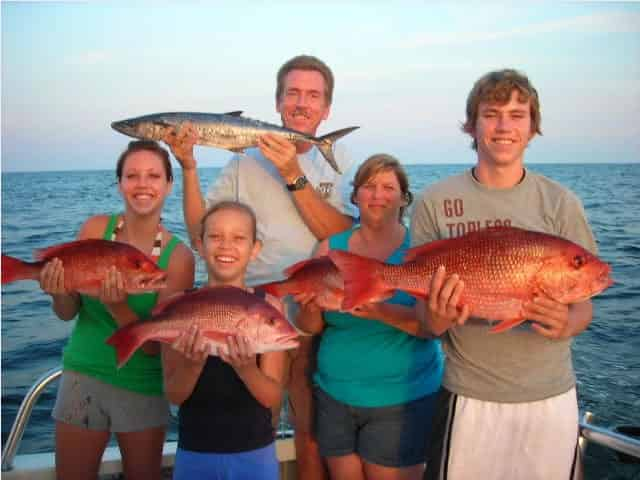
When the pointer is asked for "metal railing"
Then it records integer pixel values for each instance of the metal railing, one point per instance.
(23, 415)
(588, 433)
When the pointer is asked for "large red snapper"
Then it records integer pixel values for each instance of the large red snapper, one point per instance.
(318, 276)
(502, 267)
(218, 312)
(85, 264)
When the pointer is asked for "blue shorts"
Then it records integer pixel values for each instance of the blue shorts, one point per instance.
(393, 436)
(259, 464)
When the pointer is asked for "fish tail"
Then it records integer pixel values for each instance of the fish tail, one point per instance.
(326, 142)
(362, 282)
(13, 269)
(126, 340)
(277, 289)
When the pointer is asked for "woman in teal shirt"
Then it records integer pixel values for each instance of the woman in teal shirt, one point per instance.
(95, 398)
(377, 375)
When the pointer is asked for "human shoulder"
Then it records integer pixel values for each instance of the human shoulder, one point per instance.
(94, 227)
(558, 194)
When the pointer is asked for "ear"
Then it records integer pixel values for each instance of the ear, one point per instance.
(257, 246)
(327, 111)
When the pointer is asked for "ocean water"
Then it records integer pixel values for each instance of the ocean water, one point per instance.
(46, 208)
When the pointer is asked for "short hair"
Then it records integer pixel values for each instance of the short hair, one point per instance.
(149, 146)
(310, 63)
(382, 162)
(230, 205)
(496, 87)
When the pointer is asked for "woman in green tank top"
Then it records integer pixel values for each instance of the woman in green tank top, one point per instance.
(95, 398)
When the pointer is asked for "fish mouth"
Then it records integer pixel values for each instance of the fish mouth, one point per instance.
(148, 283)
(124, 127)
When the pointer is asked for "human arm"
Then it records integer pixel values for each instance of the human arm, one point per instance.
(263, 379)
(555, 320)
(182, 364)
(322, 218)
(181, 143)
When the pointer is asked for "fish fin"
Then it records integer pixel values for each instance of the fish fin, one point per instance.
(413, 253)
(14, 269)
(505, 325)
(325, 145)
(292, 269)
(54, 251)
(277, 289)
(170, 300)
(235, 113)
(216, 337)
(126, 340)
(362, 283)
(236, 150)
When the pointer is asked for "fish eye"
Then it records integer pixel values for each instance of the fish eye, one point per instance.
(271, 321)
(578, 261)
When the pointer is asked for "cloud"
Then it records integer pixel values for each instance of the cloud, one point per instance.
(612, 22)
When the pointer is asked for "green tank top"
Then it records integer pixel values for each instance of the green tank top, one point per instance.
(87, 353)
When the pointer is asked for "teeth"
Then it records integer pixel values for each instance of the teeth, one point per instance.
(503, 141)
(225, 259)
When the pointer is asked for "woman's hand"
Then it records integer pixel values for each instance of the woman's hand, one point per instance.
(192, 345)
(239, 354)
(52, 278)
(112, 290)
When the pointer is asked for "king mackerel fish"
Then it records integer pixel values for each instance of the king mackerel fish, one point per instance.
(230, 131)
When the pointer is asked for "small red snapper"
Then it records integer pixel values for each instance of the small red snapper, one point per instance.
(218, 312)
(85, 265)
(502, 268)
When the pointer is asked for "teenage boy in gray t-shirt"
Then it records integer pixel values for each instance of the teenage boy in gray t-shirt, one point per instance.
(508, 406)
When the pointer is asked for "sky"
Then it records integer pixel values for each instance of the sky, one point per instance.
(403, 72)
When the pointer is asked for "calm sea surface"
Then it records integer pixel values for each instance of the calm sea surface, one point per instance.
(42, 209)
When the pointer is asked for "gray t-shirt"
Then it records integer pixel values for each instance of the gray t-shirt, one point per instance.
(518, 365)
(286, 239)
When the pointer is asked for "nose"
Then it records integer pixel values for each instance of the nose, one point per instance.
(502, 123)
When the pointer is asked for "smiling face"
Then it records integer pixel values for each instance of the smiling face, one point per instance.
(380, 197)
(228, 246)
(303, 105)
(503, 131)
(144, 184)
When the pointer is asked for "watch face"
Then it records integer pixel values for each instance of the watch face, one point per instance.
(298, 184)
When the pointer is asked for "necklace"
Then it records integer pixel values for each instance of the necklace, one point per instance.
(157, 243)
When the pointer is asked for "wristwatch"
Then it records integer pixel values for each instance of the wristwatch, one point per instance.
(298, 184)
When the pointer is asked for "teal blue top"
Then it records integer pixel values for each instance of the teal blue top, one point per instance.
(366, 363)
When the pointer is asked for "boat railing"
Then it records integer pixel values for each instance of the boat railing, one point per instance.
(22, 418)
(617, 441)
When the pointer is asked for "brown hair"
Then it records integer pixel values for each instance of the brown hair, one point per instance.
(149, 146)
(230, 205)
(382, 162)
(496, 87)
(309, 63)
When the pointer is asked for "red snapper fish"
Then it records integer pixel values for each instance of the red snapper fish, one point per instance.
(502, 268)
(85, 265)
(316, 275)
(218, 312)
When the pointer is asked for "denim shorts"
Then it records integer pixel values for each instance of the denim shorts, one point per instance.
(86, 402)
(393, 436)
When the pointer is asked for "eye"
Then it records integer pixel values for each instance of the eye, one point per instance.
(578, 261)
(271, 321)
